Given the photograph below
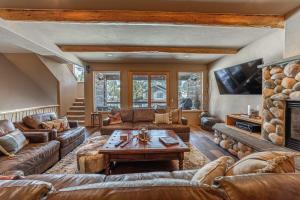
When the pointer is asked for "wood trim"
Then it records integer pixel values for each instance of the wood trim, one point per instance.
(166, 49)
(145, 17)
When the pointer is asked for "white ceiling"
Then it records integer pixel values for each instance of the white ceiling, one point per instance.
(147, 35)
(221, 6)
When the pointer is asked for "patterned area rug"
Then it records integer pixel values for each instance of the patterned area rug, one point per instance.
(192, 160)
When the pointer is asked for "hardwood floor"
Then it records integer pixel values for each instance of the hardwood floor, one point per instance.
(203, 141)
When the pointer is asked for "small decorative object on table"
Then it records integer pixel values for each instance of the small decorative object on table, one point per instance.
(168, 141)
(143, 135)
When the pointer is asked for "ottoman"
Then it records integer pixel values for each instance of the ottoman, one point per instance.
(88, 158)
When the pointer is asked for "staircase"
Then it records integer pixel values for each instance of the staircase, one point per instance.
(77, 111)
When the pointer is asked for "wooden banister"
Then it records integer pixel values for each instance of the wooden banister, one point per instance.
(17, 115)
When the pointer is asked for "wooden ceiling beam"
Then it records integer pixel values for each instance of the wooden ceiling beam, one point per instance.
(125, 16)
(169, 49)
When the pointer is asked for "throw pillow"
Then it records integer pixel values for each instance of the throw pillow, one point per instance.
(162, 118)
(60, 125)
(65, 123)
(30, 122)
(264, 162)
(208, 173)
(115, 118)
(12, 142)
(176, 115)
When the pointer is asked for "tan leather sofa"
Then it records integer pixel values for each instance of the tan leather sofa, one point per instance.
(36, 157)
(137, 118)
(69, 139)
(151, 186)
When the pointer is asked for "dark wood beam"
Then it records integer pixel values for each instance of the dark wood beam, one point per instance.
(125, 16)
(169, 49)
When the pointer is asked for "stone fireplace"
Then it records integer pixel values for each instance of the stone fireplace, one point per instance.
(281, 93)
(292, 121)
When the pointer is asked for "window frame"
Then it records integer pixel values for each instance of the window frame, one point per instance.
(202, 85)
(77, 66)
(130, 86)
(94, 89)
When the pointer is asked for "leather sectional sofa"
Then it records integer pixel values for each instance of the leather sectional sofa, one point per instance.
(34, 158)
(149, 186)
(137, 118)
(69, 139)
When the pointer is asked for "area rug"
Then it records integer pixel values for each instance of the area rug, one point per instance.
(192, 160)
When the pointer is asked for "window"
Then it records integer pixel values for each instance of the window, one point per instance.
(190, 90)
(149, 90)
(78, 73)
(107, 91)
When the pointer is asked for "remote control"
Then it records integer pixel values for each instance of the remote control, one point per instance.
(119, 143)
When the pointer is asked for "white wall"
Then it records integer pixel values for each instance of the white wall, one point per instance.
(17, 90)
(292, 35)
(269, 48)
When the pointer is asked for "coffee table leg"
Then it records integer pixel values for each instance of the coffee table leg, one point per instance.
(107, 164)
(180, 160)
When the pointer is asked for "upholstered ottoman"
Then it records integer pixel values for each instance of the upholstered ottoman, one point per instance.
(88, 158)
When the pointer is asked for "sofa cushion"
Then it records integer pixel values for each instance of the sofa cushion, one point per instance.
(6, 126)
(115, 118)
(177, 128)
(13, 142)
(163, 118)
(143, 115)
(213, 169)
(24, 189)
(67, 137)
(60, 181)
(147, 190)
(127, 115)
(31, 155)
(184, 174)
(262, 186)
(264, 162)
(149, 125)
(34, 121)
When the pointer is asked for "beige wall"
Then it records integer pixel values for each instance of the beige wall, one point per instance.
(80, 89)
(67, 84)
(126, 68)
(31, 65)
(18, 90)
(269, 48)
(292, 32)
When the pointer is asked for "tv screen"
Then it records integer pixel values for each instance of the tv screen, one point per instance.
(244, 78)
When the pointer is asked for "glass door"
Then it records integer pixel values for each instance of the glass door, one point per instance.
(149, 90)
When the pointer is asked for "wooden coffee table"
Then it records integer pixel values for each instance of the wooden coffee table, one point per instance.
(137, 151)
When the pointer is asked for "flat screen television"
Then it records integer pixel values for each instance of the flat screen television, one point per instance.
(244, 78)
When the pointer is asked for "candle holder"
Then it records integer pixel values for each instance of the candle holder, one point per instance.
(143, 135)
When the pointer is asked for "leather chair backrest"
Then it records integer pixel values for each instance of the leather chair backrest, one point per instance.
(6, 126)
(281, 186)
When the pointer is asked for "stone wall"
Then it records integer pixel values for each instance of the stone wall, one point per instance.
(236, 148)
(281, 82)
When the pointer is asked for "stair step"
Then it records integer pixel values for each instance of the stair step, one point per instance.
(81, 122)
(76, 112)
(77, 108)
(79, 100)
(76, 117)
(78, 104)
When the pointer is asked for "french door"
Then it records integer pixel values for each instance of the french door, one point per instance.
(149, 89)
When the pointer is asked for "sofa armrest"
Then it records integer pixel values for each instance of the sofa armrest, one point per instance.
(106, 121)
(18, 173)
(73, 124)
(37, 137)
(184, 121)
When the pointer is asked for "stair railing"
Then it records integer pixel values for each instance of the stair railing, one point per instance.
(18, 114)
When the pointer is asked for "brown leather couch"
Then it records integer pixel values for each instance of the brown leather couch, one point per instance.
(151, 186)
(69, 139)
(36, 157)
(137, 118)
